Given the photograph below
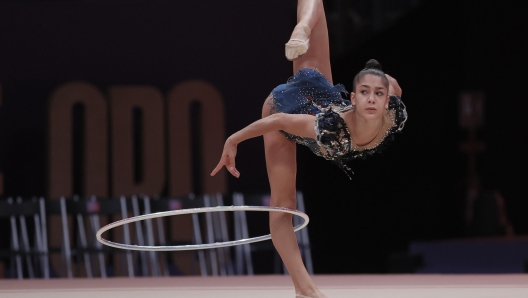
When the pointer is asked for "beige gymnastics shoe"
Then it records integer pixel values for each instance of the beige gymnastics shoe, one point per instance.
(296, 48)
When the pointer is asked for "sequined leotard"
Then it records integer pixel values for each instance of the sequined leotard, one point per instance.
(309, 92)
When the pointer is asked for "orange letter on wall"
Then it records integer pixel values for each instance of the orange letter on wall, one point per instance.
(212, 138)
(60, 140)
(149, 102)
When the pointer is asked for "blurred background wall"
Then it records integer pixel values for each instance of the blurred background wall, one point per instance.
(423, 188)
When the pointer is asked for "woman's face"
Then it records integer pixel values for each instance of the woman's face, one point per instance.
(371, 97)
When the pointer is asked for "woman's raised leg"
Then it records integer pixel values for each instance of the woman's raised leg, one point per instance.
(282, 169)
(311, 25)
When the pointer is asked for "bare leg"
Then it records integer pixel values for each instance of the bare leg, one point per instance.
(282, 169)
(280, 152)
(312, 25)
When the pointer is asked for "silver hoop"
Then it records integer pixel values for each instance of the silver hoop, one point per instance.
(191, 211)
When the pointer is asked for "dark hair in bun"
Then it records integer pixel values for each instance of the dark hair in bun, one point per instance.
(372, 67)
(373, 64)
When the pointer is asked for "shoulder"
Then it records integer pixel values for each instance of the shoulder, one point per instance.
(332, 133)
(397, 106)
(393, 122)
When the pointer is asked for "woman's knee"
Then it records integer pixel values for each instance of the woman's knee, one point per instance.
(278, 220)
(284, 201)
(276, 217)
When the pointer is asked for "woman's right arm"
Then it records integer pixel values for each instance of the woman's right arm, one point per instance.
(297, 124)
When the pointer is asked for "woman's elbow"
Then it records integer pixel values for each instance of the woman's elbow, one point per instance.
(394, 87)
(397, 91)
(279, 121)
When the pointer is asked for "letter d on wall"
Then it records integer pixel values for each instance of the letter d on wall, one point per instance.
(61, 137)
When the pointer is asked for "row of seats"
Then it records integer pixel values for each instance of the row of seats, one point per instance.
(82, 255)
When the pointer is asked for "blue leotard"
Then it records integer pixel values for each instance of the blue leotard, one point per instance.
(309, 92)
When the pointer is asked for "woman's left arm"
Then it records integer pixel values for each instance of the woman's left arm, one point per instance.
(297, 124)
(394, 87)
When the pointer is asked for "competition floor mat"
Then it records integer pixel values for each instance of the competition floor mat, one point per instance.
(276, 286)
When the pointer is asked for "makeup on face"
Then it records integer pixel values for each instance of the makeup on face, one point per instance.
(370, 97)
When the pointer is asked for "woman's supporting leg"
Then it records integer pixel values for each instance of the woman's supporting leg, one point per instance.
(282, 169)
(280, 152)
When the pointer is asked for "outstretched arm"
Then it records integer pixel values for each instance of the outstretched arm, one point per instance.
(297, 124)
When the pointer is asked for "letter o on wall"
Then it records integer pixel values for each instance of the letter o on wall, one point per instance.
(180, 99)
(149, 101)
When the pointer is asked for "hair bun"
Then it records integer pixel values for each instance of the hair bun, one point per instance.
(373, 64)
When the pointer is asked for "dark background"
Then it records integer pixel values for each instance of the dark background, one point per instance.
(413, 191)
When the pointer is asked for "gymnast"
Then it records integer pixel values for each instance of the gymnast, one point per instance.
(311, 111)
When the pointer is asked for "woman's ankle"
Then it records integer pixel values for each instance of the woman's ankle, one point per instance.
(301, 32)
(310, 291)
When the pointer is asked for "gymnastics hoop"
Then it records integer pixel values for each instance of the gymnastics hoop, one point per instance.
(192, 211)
